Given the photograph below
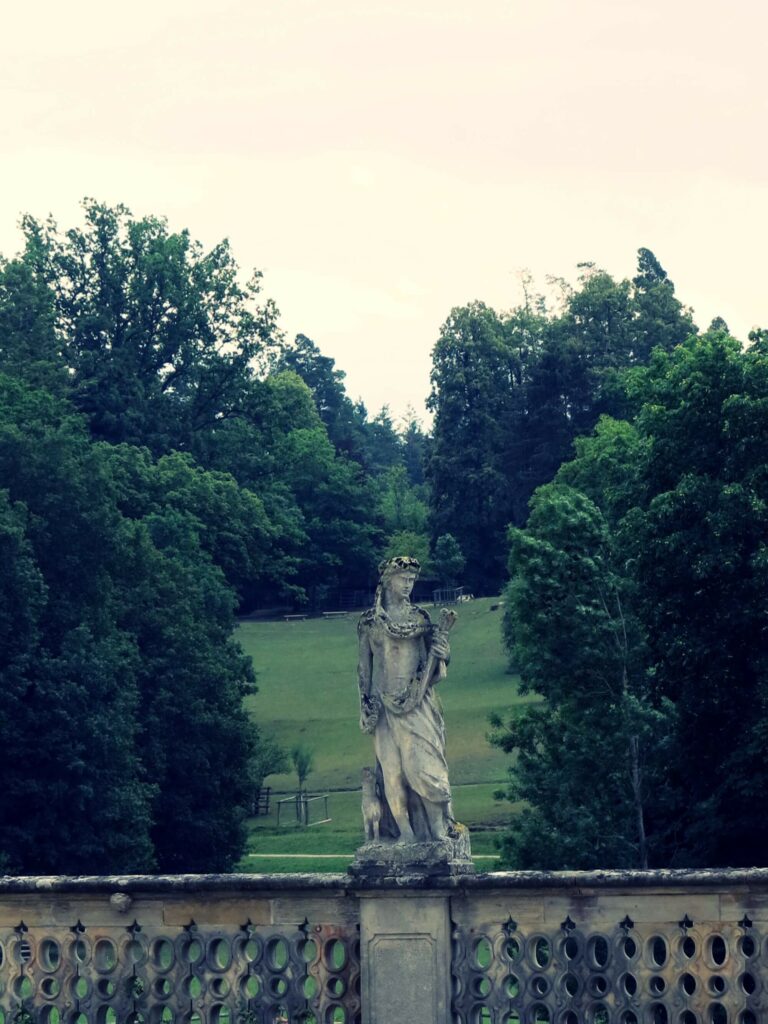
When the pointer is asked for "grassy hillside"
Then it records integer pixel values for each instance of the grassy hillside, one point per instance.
(308, 695)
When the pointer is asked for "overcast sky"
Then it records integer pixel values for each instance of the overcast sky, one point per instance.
(382, 161)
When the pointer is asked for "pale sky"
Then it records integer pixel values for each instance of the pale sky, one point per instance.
(382, 161)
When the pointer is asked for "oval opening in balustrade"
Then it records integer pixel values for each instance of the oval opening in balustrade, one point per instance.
(540, 1014)
(162, 952)
(335, 955)
(22, 987)
(50, 987)
(219, 954)
(105, 956)
(277, 954)
(309, 987)
(571, 948)
(193, 987)
(220, 988)
(747, 1017)
(657, 985)
(136, 952)
(277, 986)
(219, 1014)
(718, 1014)
(629, 983)
(335, 1015)
(718, 950)
(308, 950)
(512, 1018)
(748, 983)
(598, 985)
(688, 947)
(191, 951)
(512, 986)
(688, 1017)
(571, 984)
(50, 955)
(162, 988)
(251, 986)
(657, 951)
(481, 1015)
(512, 950)
(717, 985)
(542, 952)
(80, 950)
(161, 1015)
(747, 946)
(106, 1015)
(599, 1015)
(629, 1017)
(481, 986)
(482, 953)
(106, 988)
(250, 949)
(569, 1017)
(688, 983)
(629, 948)
(336, 987)
(657, 1014)
(539, 985)
(50, 1015)
(22, 951)
(598, 952)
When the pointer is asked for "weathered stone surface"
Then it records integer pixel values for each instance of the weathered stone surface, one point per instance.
(407, 796)
(436, 858)
(405, 970)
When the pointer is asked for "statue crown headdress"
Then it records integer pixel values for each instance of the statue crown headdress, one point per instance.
(399, 564)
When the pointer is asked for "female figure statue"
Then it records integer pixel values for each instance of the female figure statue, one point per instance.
(402, 656)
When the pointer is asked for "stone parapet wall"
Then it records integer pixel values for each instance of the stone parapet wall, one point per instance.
(504, 948)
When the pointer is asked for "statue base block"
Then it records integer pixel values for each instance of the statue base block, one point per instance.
(437, 858)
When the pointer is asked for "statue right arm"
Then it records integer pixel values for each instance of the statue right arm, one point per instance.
(369, 705)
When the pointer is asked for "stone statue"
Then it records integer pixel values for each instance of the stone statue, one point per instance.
(402, 656)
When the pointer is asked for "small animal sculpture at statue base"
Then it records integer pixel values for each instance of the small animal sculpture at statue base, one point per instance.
(371, 804)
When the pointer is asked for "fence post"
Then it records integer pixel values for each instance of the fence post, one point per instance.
(405, 957)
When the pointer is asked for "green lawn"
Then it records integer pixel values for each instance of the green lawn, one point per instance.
(308, 695)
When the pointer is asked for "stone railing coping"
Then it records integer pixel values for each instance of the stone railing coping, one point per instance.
(168, 884)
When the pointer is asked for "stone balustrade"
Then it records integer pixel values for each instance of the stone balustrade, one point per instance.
(659, 947)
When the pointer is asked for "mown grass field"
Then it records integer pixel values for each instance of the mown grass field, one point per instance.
(308, 695)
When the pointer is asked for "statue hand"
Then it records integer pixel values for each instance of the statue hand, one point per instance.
(440, 648)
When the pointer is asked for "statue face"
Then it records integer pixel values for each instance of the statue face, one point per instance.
(401, 584)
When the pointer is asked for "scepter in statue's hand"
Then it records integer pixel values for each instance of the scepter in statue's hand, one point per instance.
(435, 662)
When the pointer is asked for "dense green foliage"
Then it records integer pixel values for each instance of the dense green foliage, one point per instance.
(637, 608)
(511, 392)
(165, 457)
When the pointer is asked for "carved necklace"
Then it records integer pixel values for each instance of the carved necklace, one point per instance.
(416, 627)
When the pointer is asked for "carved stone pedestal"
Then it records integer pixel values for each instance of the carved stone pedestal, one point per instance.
(438, 858)
(405, 957)
(405, 943)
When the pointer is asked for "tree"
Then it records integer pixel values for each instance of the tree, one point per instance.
(344, 421)
(117, 621)
(158, 335)
(577, 644)
(660, 319)
(448, 560)
(74, 797)
(303, 761)
(667, 515)
(474, 374)
(410, 543)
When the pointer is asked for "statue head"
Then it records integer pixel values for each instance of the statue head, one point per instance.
(399, 573)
